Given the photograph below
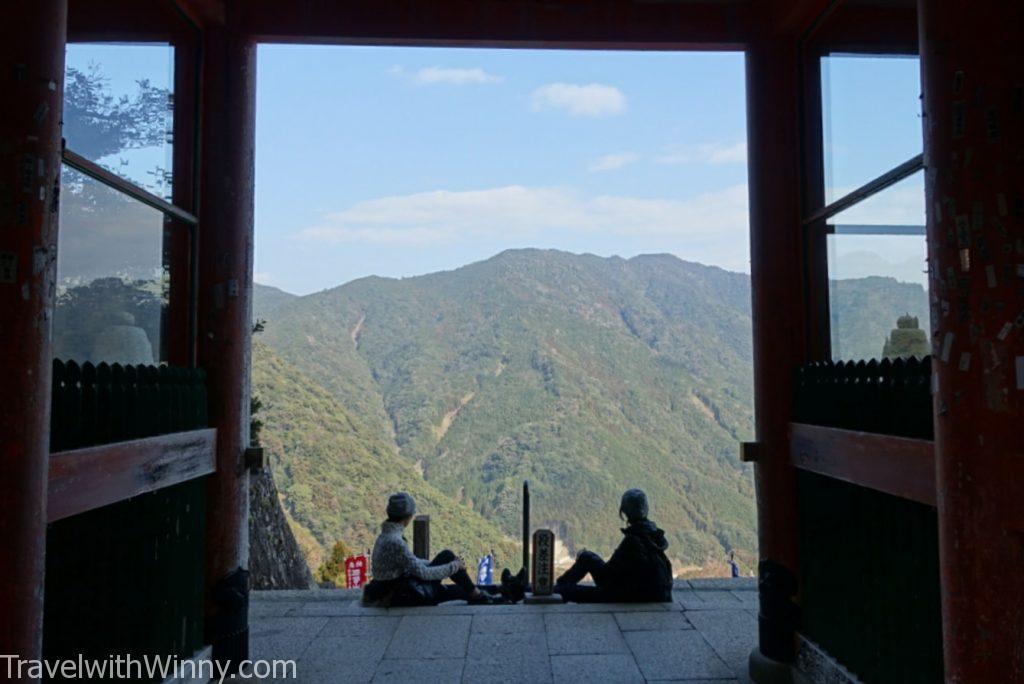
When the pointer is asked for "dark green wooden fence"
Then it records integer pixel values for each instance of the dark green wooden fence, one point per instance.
(126, 578)
(100, 404)
(890, 397)
(869, 580)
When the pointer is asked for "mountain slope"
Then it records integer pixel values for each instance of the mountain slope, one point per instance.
(583, 374)
(336, 474)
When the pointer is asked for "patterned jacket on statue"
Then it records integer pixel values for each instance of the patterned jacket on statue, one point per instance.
(392, 558)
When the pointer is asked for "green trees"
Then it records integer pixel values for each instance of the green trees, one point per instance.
(906, 340)
(585, 375)
(100, 124)
(332, 570)
(524, 367)
(336, 473)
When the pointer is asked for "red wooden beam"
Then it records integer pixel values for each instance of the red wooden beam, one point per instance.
(224, 320)
(127, 20)
(499, 23)
(84, 479)
(32, 83)
(892, 465)
(800, 17)
(203, 13)
(867, 28)
(779, 318)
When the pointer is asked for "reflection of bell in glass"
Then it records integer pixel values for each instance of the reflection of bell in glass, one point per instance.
(123, 342)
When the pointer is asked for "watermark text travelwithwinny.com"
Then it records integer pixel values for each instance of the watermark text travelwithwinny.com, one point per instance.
(147, 667)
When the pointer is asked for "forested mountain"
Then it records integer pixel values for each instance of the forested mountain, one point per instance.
(867, 311)
(582, 374)
(336, 474)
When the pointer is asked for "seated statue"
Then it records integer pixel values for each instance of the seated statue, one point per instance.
(402, 579)
(638, 571)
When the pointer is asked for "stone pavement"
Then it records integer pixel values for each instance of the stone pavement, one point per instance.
(705, 635)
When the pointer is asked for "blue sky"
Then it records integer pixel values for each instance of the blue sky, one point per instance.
(415, 160)
(401, 161)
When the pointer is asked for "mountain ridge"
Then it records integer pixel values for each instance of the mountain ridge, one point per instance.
(497, 372)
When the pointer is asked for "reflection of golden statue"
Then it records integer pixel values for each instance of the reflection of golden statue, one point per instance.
(122, 342)
(907, 339)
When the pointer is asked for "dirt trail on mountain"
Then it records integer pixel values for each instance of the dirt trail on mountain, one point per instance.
(441, 430)
(356, 330)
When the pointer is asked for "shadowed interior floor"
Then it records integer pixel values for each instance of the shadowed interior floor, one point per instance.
(706, 634)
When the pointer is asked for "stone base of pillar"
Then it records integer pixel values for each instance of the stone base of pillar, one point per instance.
(812, 664)
(765, 670)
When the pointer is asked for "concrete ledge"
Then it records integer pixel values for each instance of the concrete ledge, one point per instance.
(305, 595)
(713, 583)
(732, 583)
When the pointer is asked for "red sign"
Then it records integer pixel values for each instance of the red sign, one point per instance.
(355, 571)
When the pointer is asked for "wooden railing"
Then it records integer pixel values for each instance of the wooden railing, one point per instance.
(121, 431)
(868, 423)
(892, 465)
(85, 479)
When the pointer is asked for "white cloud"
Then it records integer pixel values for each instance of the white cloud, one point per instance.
(706, 153)
(593, 99)
(450, 76)
(610, 162)
(263, 278)
(711, 227)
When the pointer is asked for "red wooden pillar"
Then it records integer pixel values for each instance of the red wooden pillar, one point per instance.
(773, 145)
(224, 321)
(972, 68)
(32, 82)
